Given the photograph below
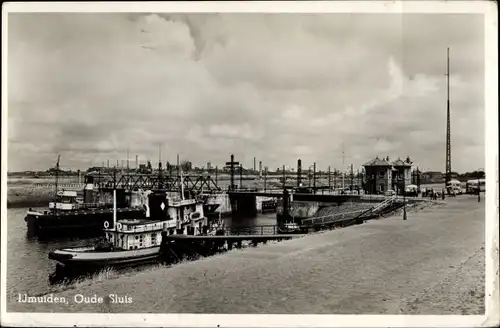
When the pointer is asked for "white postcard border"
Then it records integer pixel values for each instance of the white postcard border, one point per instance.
(203, 320)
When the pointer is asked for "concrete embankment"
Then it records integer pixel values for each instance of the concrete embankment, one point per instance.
(387, 266)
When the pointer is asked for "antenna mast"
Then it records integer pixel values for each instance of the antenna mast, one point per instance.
(448, 130)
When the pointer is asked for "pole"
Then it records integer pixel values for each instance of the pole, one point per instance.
(284, 176)
(418, 178)
(241, 176)
(314, 177)
(216, 169)
(404, 196)
(299, 172)
(232, 172)
(359, 183)
(448, 123)
(352, 180)
(329, 180)
(265, 179)
(114, 208)
(334, 179)
(182, 185)
(57, 180)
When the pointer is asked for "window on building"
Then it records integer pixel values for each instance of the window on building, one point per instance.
(381, 174)
(381, 187)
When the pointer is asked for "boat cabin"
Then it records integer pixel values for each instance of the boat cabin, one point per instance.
(65, 200)
(135, 234)
(173, 216)
(188, 216)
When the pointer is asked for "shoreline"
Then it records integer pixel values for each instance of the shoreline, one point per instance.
(110, 274)
(422, 255)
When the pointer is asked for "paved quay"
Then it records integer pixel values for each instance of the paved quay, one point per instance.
(432, 263)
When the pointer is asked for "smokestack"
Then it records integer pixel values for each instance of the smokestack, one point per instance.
(260, 166)
(254, 167)
(136, 161)
(299, 172)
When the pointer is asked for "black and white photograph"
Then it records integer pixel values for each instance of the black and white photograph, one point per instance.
(249, 164)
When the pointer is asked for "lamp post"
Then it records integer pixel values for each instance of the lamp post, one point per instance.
(404, 195)
(479, 185)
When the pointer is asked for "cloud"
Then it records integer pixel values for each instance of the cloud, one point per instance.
(277, 87)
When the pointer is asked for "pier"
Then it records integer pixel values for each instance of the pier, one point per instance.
(176, 248)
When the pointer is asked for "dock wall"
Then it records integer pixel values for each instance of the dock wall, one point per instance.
(225, 203)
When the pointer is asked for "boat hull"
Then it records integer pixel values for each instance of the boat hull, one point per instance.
(76, 223)
(87, 258)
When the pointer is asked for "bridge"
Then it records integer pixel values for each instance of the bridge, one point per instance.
(191, 183)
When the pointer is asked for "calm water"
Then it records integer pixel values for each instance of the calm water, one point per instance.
(28, 267)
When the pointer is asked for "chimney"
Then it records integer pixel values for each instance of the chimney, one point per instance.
(388, 158)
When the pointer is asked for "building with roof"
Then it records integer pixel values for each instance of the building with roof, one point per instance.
(382, 175)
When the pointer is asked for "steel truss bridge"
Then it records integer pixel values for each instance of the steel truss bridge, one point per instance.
(192, 183)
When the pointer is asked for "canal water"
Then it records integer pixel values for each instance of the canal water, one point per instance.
(30, 271)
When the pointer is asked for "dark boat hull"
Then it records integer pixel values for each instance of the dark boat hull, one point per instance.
(76, 223)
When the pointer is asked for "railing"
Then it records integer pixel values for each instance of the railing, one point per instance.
(349, 215)
(89, 206)
(377, 208)
(251, 230)
(384, 204)
(331, 218)
(60, 185)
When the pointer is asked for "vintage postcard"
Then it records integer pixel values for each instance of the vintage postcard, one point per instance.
(250, 164)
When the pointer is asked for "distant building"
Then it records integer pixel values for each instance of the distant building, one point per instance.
(383, 175)
(209, 166)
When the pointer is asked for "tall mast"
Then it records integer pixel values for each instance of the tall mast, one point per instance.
(448, 129)
(57, 180)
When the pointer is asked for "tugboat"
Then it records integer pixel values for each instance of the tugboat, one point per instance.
(135, 241)
(68, 215)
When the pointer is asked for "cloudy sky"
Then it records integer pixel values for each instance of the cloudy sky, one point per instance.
(274, 86)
